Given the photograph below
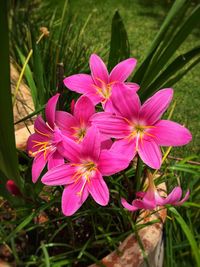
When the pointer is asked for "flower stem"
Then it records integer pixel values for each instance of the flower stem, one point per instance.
(138, 174)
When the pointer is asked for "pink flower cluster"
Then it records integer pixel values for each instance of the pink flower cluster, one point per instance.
(81, 147)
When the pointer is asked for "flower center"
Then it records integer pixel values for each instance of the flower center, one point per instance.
(80, 133)
(85, 171)
(42, 147)
(104, 90)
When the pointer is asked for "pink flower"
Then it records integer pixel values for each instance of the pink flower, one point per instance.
(151, 199)
(42, 145)
(83, 174)
(140, 128)
(12, 188)
(75, 125)
(98, 86)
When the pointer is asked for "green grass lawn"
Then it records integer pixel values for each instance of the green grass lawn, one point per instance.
(142, 19)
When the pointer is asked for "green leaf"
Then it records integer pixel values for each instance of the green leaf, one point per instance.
(181, 74)
(119, 44)
(188, 234)
(8, 155)
(39, 76)
(176, 66)
(178, 6)
(177, 40)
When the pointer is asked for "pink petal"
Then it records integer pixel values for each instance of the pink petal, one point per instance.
(152, 110)
(66, 122)
(50, 110)
(41, 127)
(150, 153)
(123, 70)
(91, 144)
(128, 206)
(80, 83)
(126, 103)
(94, 97)
(169, 133)
(59, 175)
(39, 163)
(84, 109)
(99, 70)
(71, 200)
(108, 106)
(69, 149)
(148, 202)
(111, 125)
(112, 162)
(183, 199)
(55, 160)
(125, 147)
(174, 197)
(133, 86)
(98, 189)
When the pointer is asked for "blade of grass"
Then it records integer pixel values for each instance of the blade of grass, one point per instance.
(46, 255)
(30, 115)
(29, 77)
(119, 44)
(180, 75)
(179, 38)
(177, 7)
(175, 66)
(188, 234)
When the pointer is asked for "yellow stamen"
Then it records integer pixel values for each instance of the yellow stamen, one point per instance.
(85, 170)
(104, 90)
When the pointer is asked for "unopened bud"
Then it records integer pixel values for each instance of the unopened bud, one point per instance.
(72, 106)
(12, 188)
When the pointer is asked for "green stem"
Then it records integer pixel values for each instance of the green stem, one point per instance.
(138, 174)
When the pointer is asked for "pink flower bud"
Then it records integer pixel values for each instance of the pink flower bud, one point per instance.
(12, 188)
(72, 106)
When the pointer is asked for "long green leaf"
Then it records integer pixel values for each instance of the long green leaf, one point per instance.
(119, 44)
(175, 43)
(39, 76)
(177, 7)
(174, 67)
(188, 234)
(180, 75)
(8, 155)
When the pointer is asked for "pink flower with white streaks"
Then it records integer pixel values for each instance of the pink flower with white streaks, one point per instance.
(42, 145)
(82, 175)
(98, 86)
(139, 127)
(151, 199)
